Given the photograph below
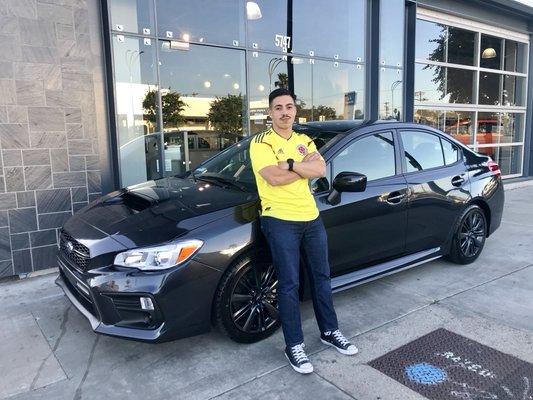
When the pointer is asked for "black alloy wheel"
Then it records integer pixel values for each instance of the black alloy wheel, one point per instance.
(254, 300)
(245, 306)
(470, 235)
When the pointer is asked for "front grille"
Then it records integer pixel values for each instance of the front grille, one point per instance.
(77, 252)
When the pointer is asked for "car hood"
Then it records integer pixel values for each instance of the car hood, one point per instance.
(158, 211)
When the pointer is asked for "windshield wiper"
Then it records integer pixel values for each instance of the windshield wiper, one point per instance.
(220, 179)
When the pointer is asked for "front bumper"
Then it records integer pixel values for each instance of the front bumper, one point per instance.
(109, 298)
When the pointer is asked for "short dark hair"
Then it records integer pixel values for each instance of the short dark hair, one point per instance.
(280, 92)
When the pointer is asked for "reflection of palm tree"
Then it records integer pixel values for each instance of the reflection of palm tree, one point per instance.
(283, 81)
(272, 65)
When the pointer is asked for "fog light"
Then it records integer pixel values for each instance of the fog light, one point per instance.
(146, 303)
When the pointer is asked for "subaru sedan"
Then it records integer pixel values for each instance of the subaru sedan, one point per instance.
(173, 257)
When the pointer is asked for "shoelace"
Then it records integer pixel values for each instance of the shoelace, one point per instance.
(298, 353)
(340, 337)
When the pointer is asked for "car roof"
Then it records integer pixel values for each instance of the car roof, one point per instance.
(345, 126)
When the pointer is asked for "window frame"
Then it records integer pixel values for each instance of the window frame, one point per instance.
(403, 163)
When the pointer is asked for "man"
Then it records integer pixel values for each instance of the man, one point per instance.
(283, 161)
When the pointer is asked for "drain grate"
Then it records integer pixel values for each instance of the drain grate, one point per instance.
(443, 365)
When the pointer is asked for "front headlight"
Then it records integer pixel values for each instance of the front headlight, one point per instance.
(159, 257)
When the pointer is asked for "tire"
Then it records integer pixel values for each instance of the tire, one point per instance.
(469, 236)
(245, 305)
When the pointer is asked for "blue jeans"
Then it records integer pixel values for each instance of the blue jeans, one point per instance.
(287, 240)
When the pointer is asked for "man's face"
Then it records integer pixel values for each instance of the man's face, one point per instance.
(282, 111)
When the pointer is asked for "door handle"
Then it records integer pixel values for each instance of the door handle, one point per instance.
(458, 180)
(395, 198)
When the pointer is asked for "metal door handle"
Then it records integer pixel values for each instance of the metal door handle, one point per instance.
(395, 198)
(457, 180)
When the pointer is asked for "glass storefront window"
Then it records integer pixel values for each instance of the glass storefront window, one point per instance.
(430, 40)
(499, 128)
(203, 95)
(515, 56)
(514, 89)
(391, 94)
(132, 16)
(458, 124)
(490, 53)
(437, 84)
(509, 158)
(489, 88)
(442, 43)
(460, 46)
(136, 96)
(392, 28)
(207, 21)
(340, 35)
(338, 91)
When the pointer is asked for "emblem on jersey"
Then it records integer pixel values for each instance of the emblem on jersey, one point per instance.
(302, 149)
(280, 151)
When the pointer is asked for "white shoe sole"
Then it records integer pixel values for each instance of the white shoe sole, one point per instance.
(297, 369)
(345, 352)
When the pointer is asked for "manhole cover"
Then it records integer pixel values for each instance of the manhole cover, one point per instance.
(443, 365)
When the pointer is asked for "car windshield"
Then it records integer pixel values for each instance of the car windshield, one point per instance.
(232, 167)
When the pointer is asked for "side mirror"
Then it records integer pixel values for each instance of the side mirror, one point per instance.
(346, 182)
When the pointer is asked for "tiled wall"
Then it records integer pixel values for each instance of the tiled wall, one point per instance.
(49, 163)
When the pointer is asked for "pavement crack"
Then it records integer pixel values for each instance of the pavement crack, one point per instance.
(62, 328)
(38, 374)
(77, 395)
(336, 386)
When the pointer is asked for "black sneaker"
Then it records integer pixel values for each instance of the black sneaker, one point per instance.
(298, 359)
(336, 339)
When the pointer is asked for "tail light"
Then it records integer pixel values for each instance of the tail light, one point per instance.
(494, 168)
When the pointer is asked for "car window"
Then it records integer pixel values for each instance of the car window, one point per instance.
(451, 152)
(422, 150)
(372, 156)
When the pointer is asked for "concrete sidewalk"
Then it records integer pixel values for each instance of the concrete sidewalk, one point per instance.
(48, 350)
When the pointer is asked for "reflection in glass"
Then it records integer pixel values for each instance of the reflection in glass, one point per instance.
(459, 124)
(509, 158)
(422, 151)
(437, 42)
(514, 89)
(460, 46)
(203, 103)
(490, 52)
(207, 21)
(489, 88)
(391, 32)
(132, 16)
(136, 108)
(499, 128)
(451, 152)
(341, 33)
(436, 84)
(372, 156)
(390, 94)
(515, 56)
(338, 91)
(430, 40)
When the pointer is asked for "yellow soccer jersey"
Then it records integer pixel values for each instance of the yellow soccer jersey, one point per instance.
(292, 202)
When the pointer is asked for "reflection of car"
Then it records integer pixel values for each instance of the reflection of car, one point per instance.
(168, 258)
(487, 133)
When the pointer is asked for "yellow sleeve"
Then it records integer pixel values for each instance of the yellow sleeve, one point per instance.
(262, 156)
(311, 147)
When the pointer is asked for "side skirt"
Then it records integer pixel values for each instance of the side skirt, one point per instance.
(365, 275)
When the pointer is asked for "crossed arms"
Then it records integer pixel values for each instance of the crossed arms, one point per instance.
(312, 166)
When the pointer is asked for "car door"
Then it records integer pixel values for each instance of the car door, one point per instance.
(367, 227)
(438, 187)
